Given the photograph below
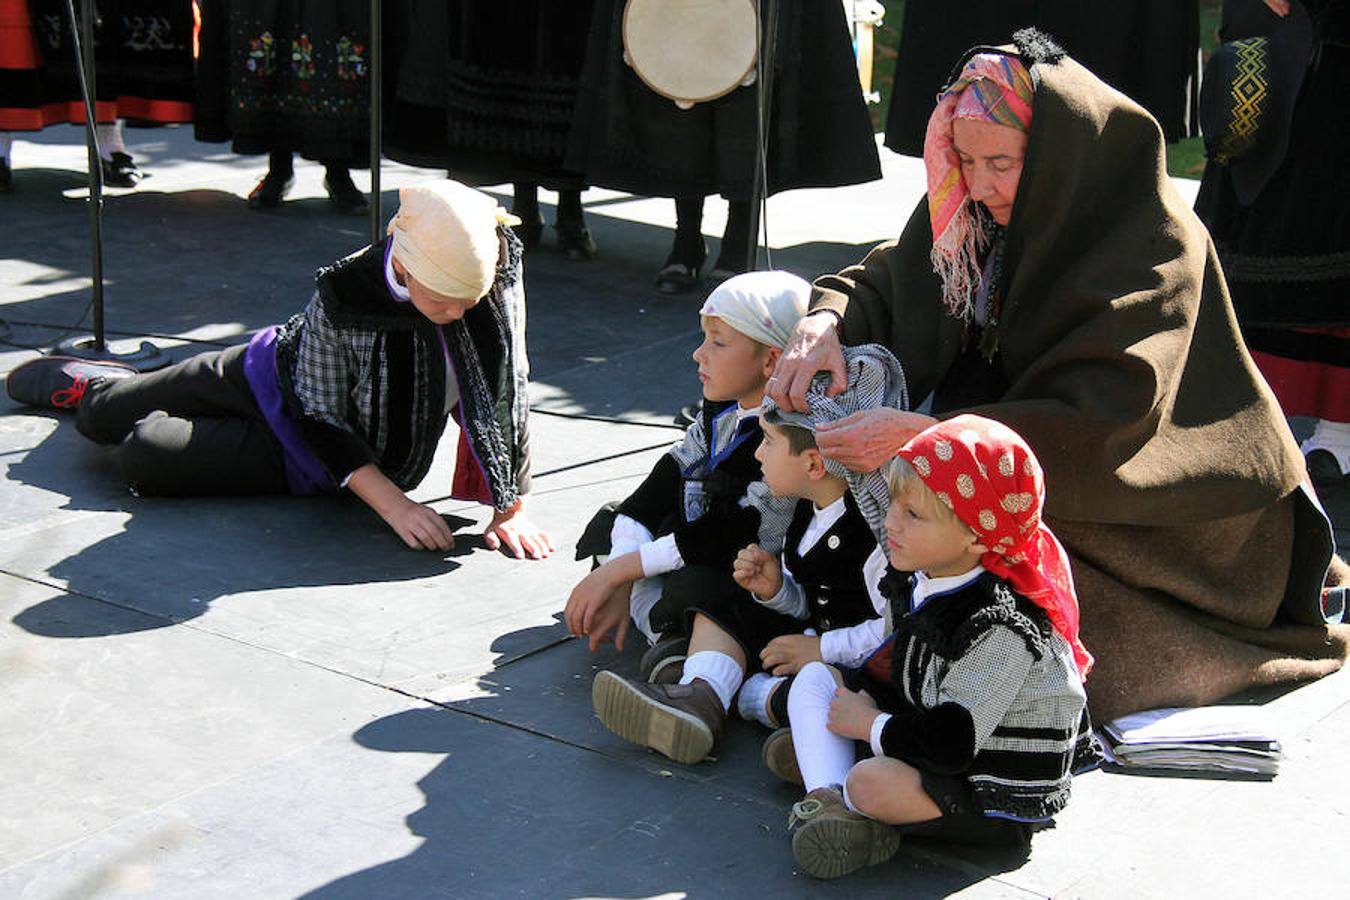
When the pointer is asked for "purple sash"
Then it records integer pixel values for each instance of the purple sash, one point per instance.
(304, 473)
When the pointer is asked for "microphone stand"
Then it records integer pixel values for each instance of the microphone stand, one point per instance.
(95, 347)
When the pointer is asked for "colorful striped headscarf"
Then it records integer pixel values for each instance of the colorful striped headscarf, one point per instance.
(985, 473)
(992, 87)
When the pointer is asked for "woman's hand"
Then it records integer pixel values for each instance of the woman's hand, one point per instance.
(868, 439)
(852, 714)
(786, 654)
(758, 571)
(520, 535)
(813, 347)
(1279, 7)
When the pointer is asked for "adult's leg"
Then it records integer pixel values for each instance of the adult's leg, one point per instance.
(343, 193)
(574, 238)
(209, 385)
(525, 206)
(681, 270)
(272, 189)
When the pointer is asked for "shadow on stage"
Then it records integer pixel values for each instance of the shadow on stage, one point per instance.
(170, 558)
(531, 796)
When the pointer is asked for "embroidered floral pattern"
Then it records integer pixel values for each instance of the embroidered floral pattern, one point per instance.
(262, 55)
(302, 60)
(351, 59)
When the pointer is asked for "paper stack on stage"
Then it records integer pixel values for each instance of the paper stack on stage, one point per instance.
(1214, 740)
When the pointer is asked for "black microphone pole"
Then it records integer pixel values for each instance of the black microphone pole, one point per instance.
(764, 61)
(148, 355)
(376, 117)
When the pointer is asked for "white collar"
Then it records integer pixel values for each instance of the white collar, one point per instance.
(924, 587)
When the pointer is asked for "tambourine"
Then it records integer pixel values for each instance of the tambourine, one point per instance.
(691, 51)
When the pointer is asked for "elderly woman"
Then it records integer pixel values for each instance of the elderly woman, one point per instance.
(351, 394)
(1055, 281)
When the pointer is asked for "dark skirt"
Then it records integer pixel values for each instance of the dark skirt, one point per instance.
(627, 137)
(485, 90)
(143, 64)
(286, 75)
(1286, 257)
(1146, 49)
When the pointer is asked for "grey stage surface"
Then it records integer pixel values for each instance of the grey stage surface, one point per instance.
(272, 698)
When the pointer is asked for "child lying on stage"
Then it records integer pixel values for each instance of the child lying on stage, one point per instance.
(973, 706)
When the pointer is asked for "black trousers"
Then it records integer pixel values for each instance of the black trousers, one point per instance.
(192, 429)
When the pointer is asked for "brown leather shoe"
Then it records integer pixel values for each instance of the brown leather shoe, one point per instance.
(780, 757)
(832, 840)
(681, 721)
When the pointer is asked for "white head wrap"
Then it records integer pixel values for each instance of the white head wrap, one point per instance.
(445, 235)
(763, 306)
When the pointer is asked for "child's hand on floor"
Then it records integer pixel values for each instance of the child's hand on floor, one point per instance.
(852, 714)
(786, 654)
(599, 605)
(758, 571)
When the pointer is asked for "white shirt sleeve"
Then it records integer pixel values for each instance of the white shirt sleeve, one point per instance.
(850, 646)
(627, 535)
(790, 599)
(660, 556)
(878, 724)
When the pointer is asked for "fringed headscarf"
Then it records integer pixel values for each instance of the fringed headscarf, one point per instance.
(875, 380)
(985, 473)
(995, 88)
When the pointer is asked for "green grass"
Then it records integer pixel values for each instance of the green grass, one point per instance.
(1185, 158)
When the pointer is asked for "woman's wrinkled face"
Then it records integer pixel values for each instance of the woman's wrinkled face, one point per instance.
(991, 163)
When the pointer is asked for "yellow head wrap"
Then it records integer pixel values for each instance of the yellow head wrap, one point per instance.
(445, 235)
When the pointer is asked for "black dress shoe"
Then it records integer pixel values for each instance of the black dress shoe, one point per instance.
(345, 197)
(575, 241)
(120, 171)
(6, 177)
(680, 274)
(268, 193)
(59, 382)
(530, 229)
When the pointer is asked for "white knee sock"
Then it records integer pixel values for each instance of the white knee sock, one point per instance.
(646, 591)
(6, 142)
(823, 756)
(718, 669)
(754, 697)
(110, 139)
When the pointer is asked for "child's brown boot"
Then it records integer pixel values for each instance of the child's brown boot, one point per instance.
(780, 757)
(832, 840)
(681, 721)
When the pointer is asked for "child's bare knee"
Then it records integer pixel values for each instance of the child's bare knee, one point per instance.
(866, 785)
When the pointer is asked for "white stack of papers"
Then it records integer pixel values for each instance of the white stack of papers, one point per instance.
(1215, 740)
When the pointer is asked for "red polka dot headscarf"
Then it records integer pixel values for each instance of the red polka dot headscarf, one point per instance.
(985, 473)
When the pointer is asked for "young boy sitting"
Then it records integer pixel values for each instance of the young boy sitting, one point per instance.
(818, 585)
(677, 534)
(973, 706)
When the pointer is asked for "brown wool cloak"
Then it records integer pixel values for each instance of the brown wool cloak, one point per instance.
(1172, 477)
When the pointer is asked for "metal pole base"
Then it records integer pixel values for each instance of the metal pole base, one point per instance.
(145, 358)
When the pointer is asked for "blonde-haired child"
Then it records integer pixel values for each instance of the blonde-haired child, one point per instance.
(973, 705)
